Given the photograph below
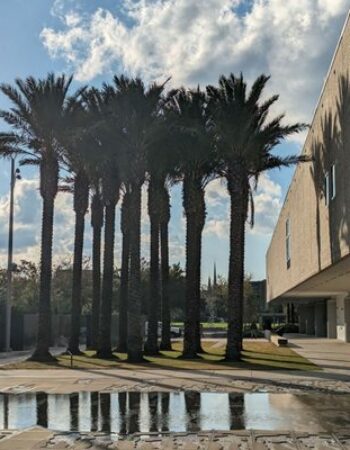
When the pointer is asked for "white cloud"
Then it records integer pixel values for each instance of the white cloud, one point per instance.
(195, 42)
(267, 204)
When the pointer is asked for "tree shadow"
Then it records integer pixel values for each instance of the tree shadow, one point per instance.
(333, 148)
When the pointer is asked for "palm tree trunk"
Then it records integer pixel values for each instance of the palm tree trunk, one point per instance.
(73, 345)
(104, 344)
(48, 191)
(124, 279)
(97, 223)
(164, 256)
(238, 191)
(199, 348)
(81, 198)
(201, 213)
(191, 312)
(135, 332)
(151, 345)
(165, 310)
(44, 326)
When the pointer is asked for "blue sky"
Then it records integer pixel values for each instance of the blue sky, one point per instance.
(194, 42)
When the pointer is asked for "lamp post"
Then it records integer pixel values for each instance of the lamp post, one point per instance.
(15, 174)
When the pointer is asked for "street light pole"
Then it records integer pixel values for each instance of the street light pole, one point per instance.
(10, 262)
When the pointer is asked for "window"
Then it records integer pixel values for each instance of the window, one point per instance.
(333, 183)
(330, 185)
(288, 243)
(326, 189)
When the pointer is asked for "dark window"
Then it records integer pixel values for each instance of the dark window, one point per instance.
(288, 256)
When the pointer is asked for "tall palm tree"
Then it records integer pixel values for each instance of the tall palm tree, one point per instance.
(75, 147)
(245, 139)
(160, 167)
(93, 104)
(139, 124)
(197, 164)
(38, 119)
(107, 134)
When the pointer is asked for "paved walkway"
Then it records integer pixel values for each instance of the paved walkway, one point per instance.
(331, 355)
(67, 380)
(235, 440)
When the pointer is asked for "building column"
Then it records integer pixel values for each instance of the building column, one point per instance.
(320, 319)
(331, 319)
(343, 319)
(302, 319)
(310, 320)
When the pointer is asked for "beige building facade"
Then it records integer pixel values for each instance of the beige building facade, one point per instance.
(308, 260)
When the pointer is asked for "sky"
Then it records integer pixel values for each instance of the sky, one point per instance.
(194, 42)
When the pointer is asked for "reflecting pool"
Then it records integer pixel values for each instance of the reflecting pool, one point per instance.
(130, 412)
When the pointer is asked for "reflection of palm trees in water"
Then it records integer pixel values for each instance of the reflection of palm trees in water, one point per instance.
(122, 412)
(74, 411)
(193, 405)
(6, 411)
(134, 412)
(165, 400)
(94, 410)
(105, 408)
(153, 411)
(41, 409)
(236, 404)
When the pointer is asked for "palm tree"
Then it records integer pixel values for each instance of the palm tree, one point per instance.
(139, 124)
(38, 119)
(245, 140)
(93, 103)
(107, 134)
(161, 162)
(197, 165)
(75, 155)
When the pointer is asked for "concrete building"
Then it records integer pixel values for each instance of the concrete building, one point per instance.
(308, 261)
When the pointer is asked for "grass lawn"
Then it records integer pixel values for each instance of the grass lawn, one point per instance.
(213, 325)
(256, 355)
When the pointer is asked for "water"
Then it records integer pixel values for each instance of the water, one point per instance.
(130, 412)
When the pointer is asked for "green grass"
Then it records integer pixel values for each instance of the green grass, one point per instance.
(214, 325)
(256, 355)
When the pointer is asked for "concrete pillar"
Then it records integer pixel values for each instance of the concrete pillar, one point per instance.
(320, 319)
(331, 319)
(343, 317)
(310, 320)
(302, 319)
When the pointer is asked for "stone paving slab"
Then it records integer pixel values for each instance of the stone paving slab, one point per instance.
(208, 382)
(35, 438)
(233, 440)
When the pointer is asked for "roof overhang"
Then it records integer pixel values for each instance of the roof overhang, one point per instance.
(330, 282)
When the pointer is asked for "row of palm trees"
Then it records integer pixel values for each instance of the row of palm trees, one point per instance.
(109, 142)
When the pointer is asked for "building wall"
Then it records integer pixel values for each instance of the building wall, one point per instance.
(319, 234)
